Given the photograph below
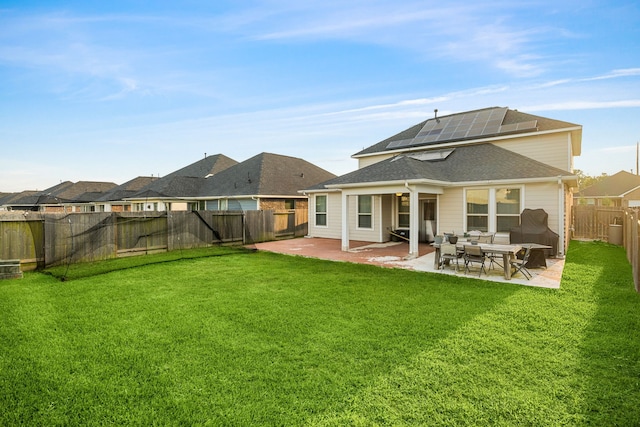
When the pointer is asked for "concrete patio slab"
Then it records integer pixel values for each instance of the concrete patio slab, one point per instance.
(395, 255)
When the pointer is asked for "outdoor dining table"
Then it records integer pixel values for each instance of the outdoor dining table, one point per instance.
(507, 252)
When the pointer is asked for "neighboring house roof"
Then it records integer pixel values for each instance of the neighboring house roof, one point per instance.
(186, 181)
(616, 185)
(265, 174)
(470, 125)
(81, 191)
(472, 163)
(127, 189)
(65, 192)
(24, 198)
(5, 196)
(28, 197)
(209, 165)
(170, 187)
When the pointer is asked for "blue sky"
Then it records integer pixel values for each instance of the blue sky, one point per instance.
(108, 91)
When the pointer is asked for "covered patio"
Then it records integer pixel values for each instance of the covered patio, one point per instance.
(396, 255)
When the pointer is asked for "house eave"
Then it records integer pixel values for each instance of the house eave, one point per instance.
(320, 190)
(571, 180)
(250, 196)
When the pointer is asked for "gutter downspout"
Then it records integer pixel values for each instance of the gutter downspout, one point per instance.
(345, 222)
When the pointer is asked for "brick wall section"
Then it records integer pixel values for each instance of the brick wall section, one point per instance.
(280, 204)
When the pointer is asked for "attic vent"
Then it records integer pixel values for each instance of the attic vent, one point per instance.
(430, 156)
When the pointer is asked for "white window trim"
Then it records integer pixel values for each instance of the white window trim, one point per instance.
(366, 213)
(495, 207)
(398, 213)
(492, 214)
(326, 213)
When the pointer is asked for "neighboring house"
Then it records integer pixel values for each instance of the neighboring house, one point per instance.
(22, 201)
(475, 170)
(621, 189)
(64, 197)
(168, 193)
(265, 181)
(113, 200)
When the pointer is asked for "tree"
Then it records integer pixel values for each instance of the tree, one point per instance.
(585, 181)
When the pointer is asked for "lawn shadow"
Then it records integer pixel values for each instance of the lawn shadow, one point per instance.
(610, 350)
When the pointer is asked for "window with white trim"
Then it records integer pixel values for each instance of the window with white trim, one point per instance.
(365, 212)
(478, 209)
(507, 208)
(404, 211)
(321, 210)
(493, 209)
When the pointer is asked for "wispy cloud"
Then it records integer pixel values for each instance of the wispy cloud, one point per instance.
(627, 72)
(459, 31)
(584, 105)
(619, 149)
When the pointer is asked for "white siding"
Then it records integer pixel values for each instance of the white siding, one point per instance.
(552, 149)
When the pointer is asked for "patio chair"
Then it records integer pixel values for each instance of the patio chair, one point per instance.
(474, 254)
(488, 238)
(448, 253)
(520, 265)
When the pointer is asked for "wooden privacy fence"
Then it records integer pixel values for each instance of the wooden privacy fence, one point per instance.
(45, 239)
(592, 222)
(616, 225)
(631, 242)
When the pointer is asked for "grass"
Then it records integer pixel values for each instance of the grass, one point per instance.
(265, 339)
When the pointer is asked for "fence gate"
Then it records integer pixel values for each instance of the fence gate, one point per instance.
(592, 222)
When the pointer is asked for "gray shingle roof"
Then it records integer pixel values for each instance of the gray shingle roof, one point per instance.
(265, 174)
(127, 189)
(76, 191)
(481, 162)
(23, 198)
(186, 181)
(210, 165)
(511, 117)
(171, 186)
(65, 192)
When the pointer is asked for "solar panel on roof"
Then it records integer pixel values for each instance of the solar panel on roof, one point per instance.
(458, 126)
(531, 124)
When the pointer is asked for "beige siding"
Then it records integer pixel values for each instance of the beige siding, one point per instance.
(451, 211)
(544, 196)
(366, 161)
(552, 149)
(451, 206)
(333, 230)
(365, 235)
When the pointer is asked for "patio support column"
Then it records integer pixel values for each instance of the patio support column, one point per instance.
(561, 218)
(345, 222)
(414, 223)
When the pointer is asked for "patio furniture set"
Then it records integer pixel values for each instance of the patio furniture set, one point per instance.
(480, 250)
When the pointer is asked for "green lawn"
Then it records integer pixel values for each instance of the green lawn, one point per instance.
(252, 338)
